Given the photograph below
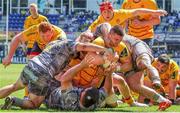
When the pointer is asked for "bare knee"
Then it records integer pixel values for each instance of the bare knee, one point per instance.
(29, 104)
(34, 101)
(118, 80)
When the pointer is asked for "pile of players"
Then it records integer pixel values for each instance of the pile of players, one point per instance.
(80, 75)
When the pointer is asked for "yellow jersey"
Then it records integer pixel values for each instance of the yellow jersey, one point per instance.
(85, 76)
(139, 31)
(170, 73)
(33, 32)
(119, 18)
(121, 49)
(30, 21)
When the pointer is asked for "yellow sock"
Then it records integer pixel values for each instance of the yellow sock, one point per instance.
(129, 100)
(26, 92)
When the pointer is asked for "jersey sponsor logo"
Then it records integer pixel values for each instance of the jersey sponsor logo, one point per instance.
(173, 76)
(124, 53)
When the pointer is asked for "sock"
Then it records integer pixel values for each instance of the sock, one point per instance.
(129, 100)
(158, 98)
(17, 102)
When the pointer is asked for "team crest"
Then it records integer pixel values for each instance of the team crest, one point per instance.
(124, 53)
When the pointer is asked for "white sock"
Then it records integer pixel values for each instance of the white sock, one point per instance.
(161, 99)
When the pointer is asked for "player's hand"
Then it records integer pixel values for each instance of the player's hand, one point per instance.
(86, 37)
(111, 68)
(109, 55)
(88, 60)
(160, 13)
(6, 61)
(137, 22)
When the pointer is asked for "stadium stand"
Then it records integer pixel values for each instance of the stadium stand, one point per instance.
(80, 20)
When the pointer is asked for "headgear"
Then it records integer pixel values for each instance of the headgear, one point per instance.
(105, 5)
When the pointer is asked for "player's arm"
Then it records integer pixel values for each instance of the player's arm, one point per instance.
(90, 47)
(172, 89)
(13, 46)
(108, 87)
(67, 77)
(86, 36)
(108, 83)
(154, 20)
(173, 84)
(143, 11)
(93, 26)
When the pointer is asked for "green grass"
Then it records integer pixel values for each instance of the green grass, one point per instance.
(11, 73)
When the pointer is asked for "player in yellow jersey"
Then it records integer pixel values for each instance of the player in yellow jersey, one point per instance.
(34, 19)
(142, 26)
(94, 76)
(178, 87)
(139, 60)
(168, 72)
(119, 17)
(44, 33)
(119, 48)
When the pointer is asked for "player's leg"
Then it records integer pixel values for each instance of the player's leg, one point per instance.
(123, 87)
(135, 82)
(178, 94)
(30, 55)
(148, 83)
(142, 55)
(144, 62)
(149, 42)
(32, 102)
(7, 90)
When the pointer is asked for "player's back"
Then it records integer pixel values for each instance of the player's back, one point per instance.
(55, 56)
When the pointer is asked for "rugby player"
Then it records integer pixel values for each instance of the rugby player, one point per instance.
(119, 17)
(168, 71)
(43, 32)
(69, 97)
(138, 59)
(34, 19)
(39, 73)
(141, 26)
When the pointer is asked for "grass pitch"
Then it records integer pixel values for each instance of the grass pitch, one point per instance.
(11, 73)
